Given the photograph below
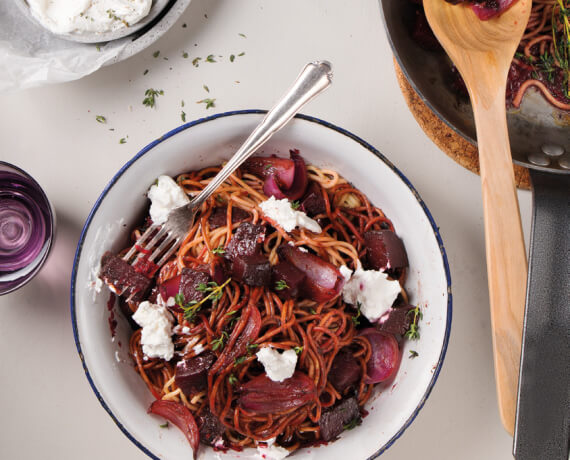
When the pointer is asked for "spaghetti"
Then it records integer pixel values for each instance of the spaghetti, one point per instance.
(543, 57)
(236, 319)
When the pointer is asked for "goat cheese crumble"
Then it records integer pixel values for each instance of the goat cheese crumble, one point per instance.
(272, 451)
(80, 16)
(165, 195)
(281, 212)
(371, 289)
(156, 336)
(278, 366)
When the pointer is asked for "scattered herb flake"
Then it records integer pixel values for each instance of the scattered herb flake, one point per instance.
(98, 47)
(232, 379)
(183, 115)
(122, 140)
(242, 35)
(413, 354)
(164, 425)
(219, 342)
(208, 101)
(413, 332)
(206, 88)
(185, 55)
(196, 61)
(280, 285)
(353, 423)
(156, 54)
(150, 96)
(145, 72)
(218, 250)
(298, 350)
(239, 360)
(101, 119)
(295, 204)
(182, 103)
(232, 57)
(210, 58)
(242, 53)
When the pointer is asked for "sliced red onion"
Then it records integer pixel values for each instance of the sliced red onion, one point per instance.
(282, 168)
(485, 13)
(264, 396)
(247, 336)
(170, 287)
(385, 358)
(272, 188)
(276, 186)
(179, 415)
(323, 281)
(300, 181)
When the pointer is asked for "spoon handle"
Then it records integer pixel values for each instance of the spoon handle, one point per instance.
(505, 249)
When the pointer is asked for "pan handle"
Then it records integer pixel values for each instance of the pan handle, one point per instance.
(542, 429)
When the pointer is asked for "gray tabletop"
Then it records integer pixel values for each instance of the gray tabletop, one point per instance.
(48, 408)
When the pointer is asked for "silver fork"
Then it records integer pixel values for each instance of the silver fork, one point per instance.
(164, 239)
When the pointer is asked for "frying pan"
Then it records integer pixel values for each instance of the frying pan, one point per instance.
(540, 140)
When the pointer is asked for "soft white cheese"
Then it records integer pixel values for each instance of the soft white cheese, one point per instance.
(278, 366)
(281, 212)
(156, 336)
(165, 195)
(198, 349)
(371, 289)
(80, 16)
(272, 451)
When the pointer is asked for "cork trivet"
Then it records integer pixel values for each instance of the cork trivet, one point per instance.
(451, 143)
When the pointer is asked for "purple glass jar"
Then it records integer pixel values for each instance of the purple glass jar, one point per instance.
(27, 225)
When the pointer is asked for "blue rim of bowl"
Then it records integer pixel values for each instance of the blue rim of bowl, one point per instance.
(302, 117)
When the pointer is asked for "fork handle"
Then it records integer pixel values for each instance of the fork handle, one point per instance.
(313, 79)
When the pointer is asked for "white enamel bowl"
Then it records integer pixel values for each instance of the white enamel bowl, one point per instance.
(207, 142)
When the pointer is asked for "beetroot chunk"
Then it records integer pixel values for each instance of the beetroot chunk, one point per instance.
(313, 202)
(211, 428)
(191, 375)
(396, 320)
(219, 216)
(334, 420)
(286, 280)
(345, 371)
(385, 250)
(122, 278)
(190, 281)
(246, 241)
(253, 270)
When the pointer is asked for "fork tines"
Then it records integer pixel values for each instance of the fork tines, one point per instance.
(156, 243)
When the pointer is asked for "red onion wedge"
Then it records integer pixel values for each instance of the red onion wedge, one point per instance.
(323, 280)
(485, 13)
(284, 178)
(282, 168)
(177, 414)
(385, 358)
(237, 346)
(264, 396)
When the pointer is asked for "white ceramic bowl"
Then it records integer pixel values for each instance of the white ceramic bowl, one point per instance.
(208, 141)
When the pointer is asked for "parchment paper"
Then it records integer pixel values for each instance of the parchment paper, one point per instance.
(31, 56)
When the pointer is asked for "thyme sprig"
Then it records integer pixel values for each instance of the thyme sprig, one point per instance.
(413, 332)
(214, 291)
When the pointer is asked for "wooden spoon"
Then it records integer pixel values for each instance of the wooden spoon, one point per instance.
(482, 51)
